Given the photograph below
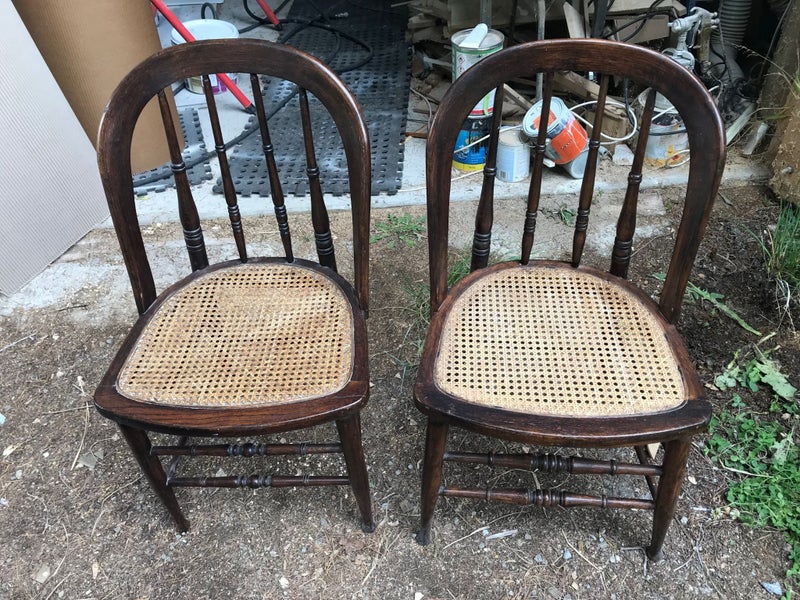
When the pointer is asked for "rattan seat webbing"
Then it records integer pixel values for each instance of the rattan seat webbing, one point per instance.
(249, 335)
(558, 342)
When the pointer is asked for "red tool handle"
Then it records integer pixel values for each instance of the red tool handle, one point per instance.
(184, 33)
(270, 15)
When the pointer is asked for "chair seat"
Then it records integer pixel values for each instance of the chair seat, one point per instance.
(557, 341)
(250, 335)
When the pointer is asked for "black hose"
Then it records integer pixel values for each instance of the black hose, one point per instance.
(302, 24)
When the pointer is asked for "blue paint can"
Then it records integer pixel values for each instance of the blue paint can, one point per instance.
(471, 148)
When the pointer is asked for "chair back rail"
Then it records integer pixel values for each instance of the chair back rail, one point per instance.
(187, 209)
(626, 225)
(319, 214)
(156, 74)
(275, 188)
(228, 188)
(609, 60)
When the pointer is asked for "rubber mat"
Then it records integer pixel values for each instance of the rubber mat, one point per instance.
(381, 86)
(198, 170)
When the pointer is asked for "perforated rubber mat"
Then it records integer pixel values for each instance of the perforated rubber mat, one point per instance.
(160, 178)
(381, 87)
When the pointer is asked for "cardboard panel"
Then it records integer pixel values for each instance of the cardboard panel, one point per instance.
(51, 193)
(89, 47)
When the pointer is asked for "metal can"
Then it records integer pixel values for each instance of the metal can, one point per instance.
(513, 156)
(470, 150)
(566, 138)
(469, 47)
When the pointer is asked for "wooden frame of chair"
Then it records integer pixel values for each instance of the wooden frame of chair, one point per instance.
(557, 422)
(223, 412)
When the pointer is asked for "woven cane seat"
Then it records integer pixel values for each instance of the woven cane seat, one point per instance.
(558, 342)
(247, 336)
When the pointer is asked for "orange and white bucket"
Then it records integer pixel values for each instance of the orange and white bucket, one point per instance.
(566, 138)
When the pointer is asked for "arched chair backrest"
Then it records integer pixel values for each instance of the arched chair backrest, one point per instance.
(607, 60)
(153, 78)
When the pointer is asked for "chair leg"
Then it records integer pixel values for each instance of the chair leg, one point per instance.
(350, 435)
(435, 441)
(140, 444)
(676, 454)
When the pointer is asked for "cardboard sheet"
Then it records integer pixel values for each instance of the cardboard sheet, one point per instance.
(51, 193)
(89, 47)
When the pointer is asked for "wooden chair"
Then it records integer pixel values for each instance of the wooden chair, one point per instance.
(251, 345)
(554, 353)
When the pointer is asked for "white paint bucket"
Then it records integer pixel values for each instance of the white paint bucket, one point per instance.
(207, 29)
(469, 47)
(668, 139)
(513, 156)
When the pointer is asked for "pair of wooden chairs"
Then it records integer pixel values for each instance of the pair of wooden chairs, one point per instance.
(547, 353)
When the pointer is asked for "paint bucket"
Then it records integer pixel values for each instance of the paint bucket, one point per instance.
(469, 47)
(473, 155)
(668, 138)
(566, 139)
(513, 156)
(207, 29)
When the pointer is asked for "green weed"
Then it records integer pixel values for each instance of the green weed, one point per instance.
(567, 216)
(405, 228)
(695, 293)
(783, 256)
(763, 450)
(420, 294)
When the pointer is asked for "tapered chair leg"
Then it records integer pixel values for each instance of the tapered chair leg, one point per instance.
(435, 442)
(140, 444)
(350, 435)
(676, 453)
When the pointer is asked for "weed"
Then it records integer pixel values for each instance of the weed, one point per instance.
(407, 229)
(759, 369)
(781, 250)
(567, 216)
(695, 293)
(420, 294)
(783, 257)
(564, 214)
(763, 450)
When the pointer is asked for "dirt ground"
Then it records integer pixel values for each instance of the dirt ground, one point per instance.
(78, 521)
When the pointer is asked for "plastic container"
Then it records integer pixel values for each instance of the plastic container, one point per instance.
(513, 156)
(469, 47)
(566, 138)
(207, 29)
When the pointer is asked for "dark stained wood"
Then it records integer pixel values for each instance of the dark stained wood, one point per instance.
(258, 481)
(535, 187)
(676, 453)
(275, 188)
(484, 218)
(350, 434)
(587, 184)
(246, 450)
(545, 498)
(187, 209)
(641, 453)
(227, 181)
(135, 418)
(140, 446)
(610, 61)
(626, 225)
(319, 214)
(435, 441)
(553, 463)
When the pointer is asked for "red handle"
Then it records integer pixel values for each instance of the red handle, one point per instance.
(184, 33)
